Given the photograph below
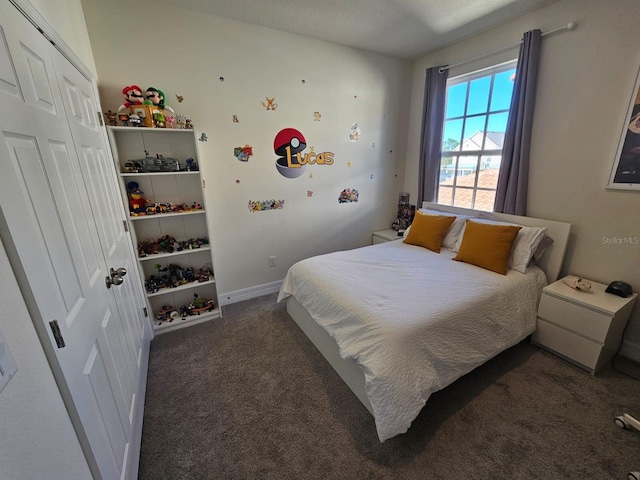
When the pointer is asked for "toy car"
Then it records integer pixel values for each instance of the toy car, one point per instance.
(197, 306)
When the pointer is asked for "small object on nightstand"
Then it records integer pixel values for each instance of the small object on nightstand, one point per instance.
(622, 289)
(579, 284)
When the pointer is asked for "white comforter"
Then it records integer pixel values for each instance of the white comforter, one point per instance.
(413, 320)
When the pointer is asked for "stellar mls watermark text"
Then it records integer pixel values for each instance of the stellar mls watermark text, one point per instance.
(621, 240)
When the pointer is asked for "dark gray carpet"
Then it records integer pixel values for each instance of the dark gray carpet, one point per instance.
(249, 397)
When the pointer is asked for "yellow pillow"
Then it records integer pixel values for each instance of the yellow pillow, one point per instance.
(428, 231)
(487, 245)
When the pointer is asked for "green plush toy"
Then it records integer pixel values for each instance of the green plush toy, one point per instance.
(155, 96)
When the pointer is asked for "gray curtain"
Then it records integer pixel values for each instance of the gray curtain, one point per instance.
(435, 95)
(511, 194)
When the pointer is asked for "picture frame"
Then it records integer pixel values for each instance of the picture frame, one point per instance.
(625, 173)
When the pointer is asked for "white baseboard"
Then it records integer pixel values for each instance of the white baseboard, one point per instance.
(249, 293)
(630, 350)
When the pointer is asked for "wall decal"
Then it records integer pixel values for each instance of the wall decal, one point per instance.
(371, 176)
(203, 137)
(355, 96)
(221, 79)
(243, 153)
(289, 144)
(348, 195)
(348, 164)
(354, 133)
(316, 116)
(237, 180)
(373, 144)
(263, 205)
(311, 175)
(180, 98)
(309, 193)
(303, 81)
(235, 118)
(271, 103)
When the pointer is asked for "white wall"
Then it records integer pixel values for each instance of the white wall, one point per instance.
(38, 440)
(585, 85)
(188, 56)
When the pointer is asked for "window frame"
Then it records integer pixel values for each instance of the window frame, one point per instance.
(481, 153)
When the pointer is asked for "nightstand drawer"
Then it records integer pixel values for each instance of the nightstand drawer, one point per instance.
(570, 345)
(577, 318)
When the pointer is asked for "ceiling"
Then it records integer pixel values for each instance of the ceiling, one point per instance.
(401, 28)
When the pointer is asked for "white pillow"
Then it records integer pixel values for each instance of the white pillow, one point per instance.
(456, 227)
(524, 245)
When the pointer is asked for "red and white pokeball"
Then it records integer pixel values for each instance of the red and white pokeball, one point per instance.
(287, 144)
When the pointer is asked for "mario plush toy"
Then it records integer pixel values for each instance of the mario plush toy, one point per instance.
(132, 96)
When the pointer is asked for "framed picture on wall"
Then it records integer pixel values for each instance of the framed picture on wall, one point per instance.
(625, 174)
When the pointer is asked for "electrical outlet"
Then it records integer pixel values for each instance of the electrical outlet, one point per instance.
(272, 261)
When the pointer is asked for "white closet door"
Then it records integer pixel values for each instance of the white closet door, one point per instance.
(58, 200)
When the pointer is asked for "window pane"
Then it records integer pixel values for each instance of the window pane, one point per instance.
(502, 90)
(444, 195)
(466, 172)
(485, 200)
(479, 95)
(490, 162)
(447, 169)
(456, 97)
(473, 133)
(497, 123)
(463, 197)
(452, 134)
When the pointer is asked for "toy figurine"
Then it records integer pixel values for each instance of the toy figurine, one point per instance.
(132, 96)
(112, 118)
(156, 97)
(192, 166)
(134, 120)
(158, 119)
(137, 204)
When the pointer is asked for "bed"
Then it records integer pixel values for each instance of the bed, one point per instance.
(398, 321)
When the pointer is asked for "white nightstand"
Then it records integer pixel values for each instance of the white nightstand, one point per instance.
(387, 235)
(583, 327)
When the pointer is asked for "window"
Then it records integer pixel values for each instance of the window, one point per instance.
(475, 123)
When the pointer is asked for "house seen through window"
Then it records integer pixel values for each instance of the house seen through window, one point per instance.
(474, 128)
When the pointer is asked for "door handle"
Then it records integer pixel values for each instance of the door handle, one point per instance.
(116, 277)
(120, 272)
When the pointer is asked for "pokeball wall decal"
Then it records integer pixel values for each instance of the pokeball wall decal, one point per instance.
(289, 144)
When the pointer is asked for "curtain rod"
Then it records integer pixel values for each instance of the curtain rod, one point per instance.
(568, 26)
